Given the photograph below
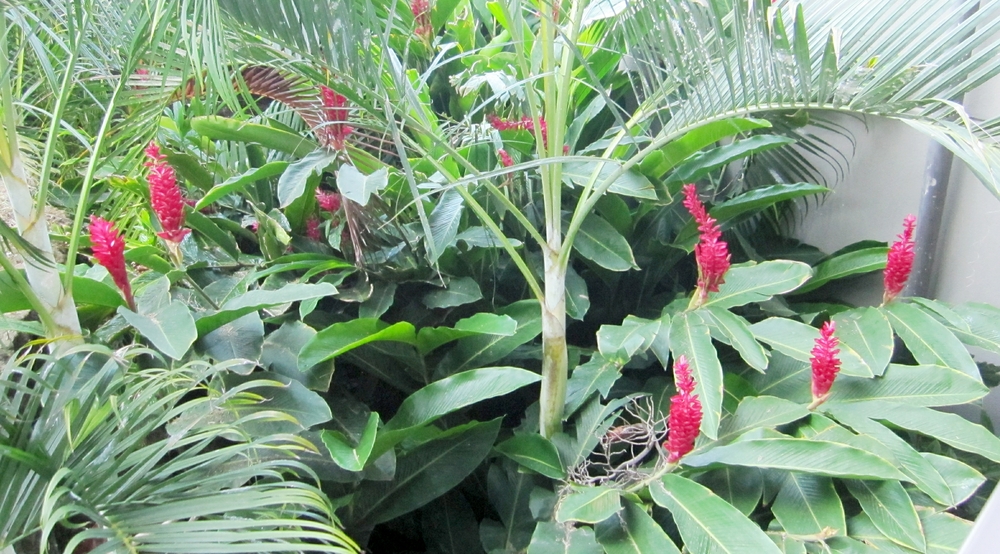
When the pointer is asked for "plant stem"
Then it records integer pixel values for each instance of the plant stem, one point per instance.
(555, 359)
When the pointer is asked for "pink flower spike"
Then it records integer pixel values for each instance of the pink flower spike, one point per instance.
(165, 196)
(505, 159)
(899, 262)
(825, 363)
(335, 130)
(109, 251)
(711, 252)
(328, 201)
(312, 228)
(684, 419)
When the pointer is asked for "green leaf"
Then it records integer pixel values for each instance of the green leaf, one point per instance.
(344, 337)
(254, 300)
(602, 244)
(755, 412)
(633, 531)
(382, 297)
(624, 341)
(424, 473)
(629, 183)
(703, 163)
(351, 458)
(222, 128)
(292, 183)
(736, 333)
(929, 341)
(170, 328)
(950, 429)
(482, 350)
(666, 158)
(796, 339)
(809, 505)
(242, 338)
(460, 291)
(598, 374)
(740, 487)
(945, 533)
(746, 283)
(20, 326)
(237, 183)
(534, 452)
(445, 220)
(577, 296)
(982, 325)
(589, 504)
(208, 228)
(890, 510)
(301, 407)
(691, 338)
(810, 456)
(551, 538)
(856, 262)
(430, 338)
(357, 186)
(867, 332)
(920, 385)
(706, 522)
(450, 526)
(963, 480)
(759, 198)
(510, 492)
(280, 353)
(860, 527)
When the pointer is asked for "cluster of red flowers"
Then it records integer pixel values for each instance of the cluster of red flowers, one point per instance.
(900, 261)
(684, 419)
(312, 228)
(109, 251)
(524, 124)
(335, 131)
(422, 17)
(825, 363)
(328, 201)
(505, 158)
(165, 196)
(711, 253)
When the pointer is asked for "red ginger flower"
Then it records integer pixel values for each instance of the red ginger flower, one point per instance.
(711, 252)
(165, 196)
(109, 251)
(900, 261)
(328, 201)
(422, 17)
(825, 363)
(335, 131)
(685, 413)
(526, 123)
(312, 228)
(505, 159)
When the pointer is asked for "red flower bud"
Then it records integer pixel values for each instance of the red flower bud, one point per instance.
(711, 252)
(335, 130)
(328, 201)
(505, 158)
(825, 363)
(899, 263)
(165, 196)
(109, 251)
(312, 228)
(685, 413)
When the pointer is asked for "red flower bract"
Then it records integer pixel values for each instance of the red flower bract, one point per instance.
(505, 158)
(711, 252)
(335, 131)
(109, 251)
(825, 363)
(685, 413)
(328, 201)
(899, 263)
(165, 196)
(312, 228)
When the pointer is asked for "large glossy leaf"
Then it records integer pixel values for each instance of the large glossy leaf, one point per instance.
(430, 338)
(963, 480)
(598, 374)
(690, 337)
(746, 283)
(796, 339)
(760, 411)
(478, 351)
(861, 528)
(552, 538)
(760, 198)
(599, 242)
(343, 337)
(424, 473)
(890, 510)
(445, 220)
(948, 428)
(945, 533)
(171, 328)
(628, 184)
(351, 457)
(735, 331)
(357, 186)
(929, 341)
(239, 182)
(221, 128)
(920, 385)
(809, 505)
(510, 493)
(589, 504)
(292, 183)
(810, 456)
(867, 332)
(855, 262)
(703, 163)
(241, 338)
(982, 325)
(708, 524)
(460, 291)
(534, 452)
(706, 134)
(633, 531)
(280, 354)
(300, 407)
(258, 299)
(740, 487)
(450, 527)
(634, 335)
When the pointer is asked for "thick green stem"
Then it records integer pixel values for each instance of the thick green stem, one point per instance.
(555, 360)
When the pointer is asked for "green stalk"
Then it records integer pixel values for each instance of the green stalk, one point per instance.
(53, 329)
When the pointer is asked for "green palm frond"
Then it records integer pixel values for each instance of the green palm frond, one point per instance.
(96, 449)
(905, 59)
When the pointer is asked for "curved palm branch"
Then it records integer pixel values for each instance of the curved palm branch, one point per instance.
(138, 460)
